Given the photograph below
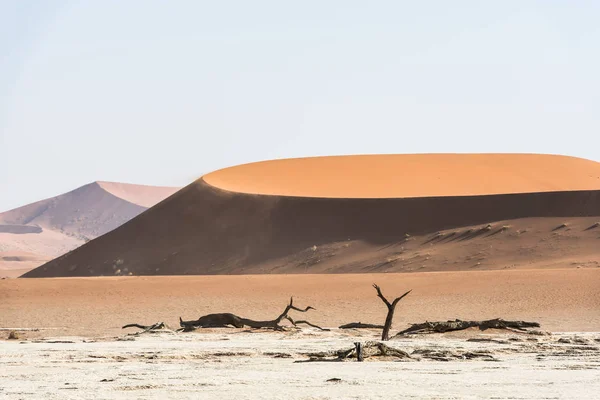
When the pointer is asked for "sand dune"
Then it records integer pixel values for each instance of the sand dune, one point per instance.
(204, 229)
(51, 227)
(410, 175)
(88, 211)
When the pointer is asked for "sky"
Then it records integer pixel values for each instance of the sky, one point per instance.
(162, 92)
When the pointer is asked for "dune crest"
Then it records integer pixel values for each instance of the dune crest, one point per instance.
(142, 195)
(410, 175)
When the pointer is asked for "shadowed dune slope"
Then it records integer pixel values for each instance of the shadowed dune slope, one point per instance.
(203, 229)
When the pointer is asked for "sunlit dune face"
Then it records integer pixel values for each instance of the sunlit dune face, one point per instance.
(410, 175)
(145, 196)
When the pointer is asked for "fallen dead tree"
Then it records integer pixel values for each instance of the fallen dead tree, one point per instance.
(385, 335)
(457, 325)
(359, 352)
(377, 351)
(223, 320)
(360, 325)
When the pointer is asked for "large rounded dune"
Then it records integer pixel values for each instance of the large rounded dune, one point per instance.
(370, 213)
(410, 175)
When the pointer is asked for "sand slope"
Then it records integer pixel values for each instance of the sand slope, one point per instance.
(204, 229)
(51, 227)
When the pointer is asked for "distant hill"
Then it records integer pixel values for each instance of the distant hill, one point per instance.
(48, 228)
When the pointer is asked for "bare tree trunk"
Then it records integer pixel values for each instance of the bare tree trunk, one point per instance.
(385, 335)
(359, 354)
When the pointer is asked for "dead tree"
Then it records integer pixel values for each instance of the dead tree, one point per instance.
(457, 325)
(385, 335)
(158, 325)
(222, 320)
(154, 328)
(359, 353)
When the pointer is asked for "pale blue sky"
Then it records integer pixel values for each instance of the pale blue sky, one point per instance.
(161, 92)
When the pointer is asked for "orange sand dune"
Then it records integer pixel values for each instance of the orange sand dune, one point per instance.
(435, 213)
(410, 175)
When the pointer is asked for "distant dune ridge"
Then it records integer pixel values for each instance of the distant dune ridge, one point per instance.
(390, 213)
(51, 227)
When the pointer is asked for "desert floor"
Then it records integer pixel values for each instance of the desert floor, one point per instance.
(80, 351)
(559, 299)
(239, 364)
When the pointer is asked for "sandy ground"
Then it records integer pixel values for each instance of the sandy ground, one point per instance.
(230, 363)
(561, 300)
(80, 352)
